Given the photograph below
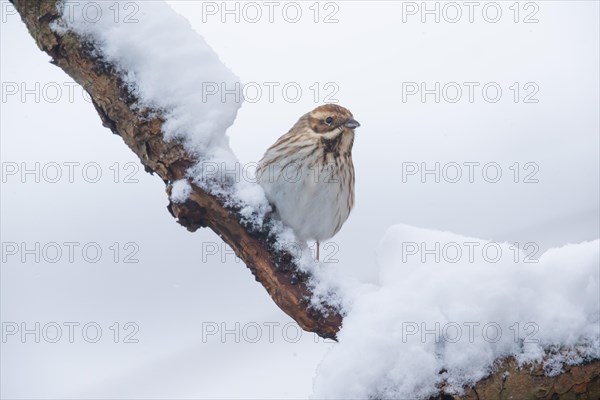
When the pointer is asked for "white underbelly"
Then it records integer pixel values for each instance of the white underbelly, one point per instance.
(314, 204)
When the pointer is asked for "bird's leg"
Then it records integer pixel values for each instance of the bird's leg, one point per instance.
(317, 250)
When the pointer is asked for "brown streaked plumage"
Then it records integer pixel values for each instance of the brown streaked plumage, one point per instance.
(308, 175)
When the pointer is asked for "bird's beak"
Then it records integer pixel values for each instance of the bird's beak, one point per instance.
(352, 123)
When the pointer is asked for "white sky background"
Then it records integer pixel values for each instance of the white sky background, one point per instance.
(171, 291)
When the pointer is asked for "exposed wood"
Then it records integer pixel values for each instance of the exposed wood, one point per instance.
(511, 382)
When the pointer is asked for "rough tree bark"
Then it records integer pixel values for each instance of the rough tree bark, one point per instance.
(274, 269)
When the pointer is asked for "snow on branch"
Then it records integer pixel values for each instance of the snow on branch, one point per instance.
(145, 80)
(447, 308)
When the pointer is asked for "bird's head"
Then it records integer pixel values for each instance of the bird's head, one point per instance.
(330, 117)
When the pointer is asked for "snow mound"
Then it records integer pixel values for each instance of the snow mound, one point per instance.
(440, 317)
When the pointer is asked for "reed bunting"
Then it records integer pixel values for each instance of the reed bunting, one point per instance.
(308, 173)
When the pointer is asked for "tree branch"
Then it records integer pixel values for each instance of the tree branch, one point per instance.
(509, 381)
(141, 131)
(275, 270)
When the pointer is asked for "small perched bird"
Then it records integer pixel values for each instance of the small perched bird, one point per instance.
(308, 173)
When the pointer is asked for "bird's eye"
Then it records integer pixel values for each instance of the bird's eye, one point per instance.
(329, 120)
